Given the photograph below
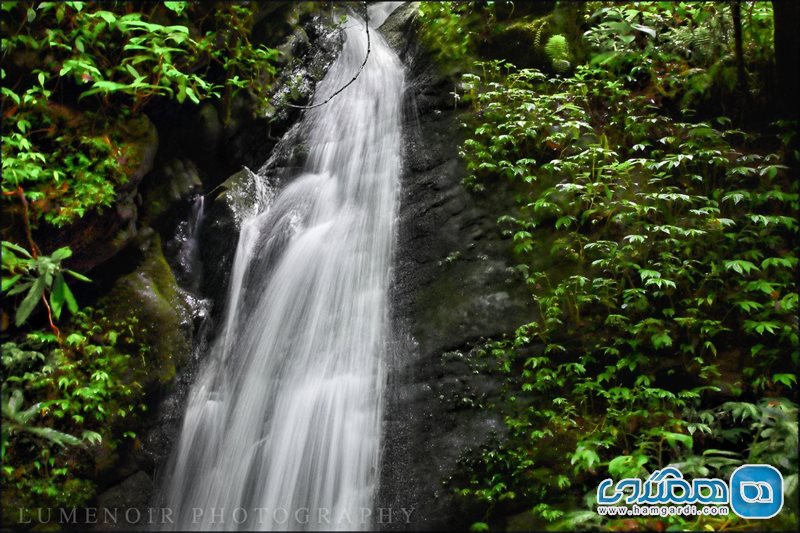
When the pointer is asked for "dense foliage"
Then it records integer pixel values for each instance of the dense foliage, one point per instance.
(56, 389)
(71, 117)
(668, 332)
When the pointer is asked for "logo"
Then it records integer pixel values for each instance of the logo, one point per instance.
(756, 491)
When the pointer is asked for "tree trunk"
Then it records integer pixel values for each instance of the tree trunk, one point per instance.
(741, 75)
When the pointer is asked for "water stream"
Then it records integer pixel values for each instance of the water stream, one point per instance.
(282, 428)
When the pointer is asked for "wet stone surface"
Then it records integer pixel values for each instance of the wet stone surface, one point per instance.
(453, 288)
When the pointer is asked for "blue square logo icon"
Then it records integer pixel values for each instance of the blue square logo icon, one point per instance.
(756, 491)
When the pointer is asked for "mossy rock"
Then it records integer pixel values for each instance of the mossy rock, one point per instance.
(141, 137)
(151, 295)
(521, 42)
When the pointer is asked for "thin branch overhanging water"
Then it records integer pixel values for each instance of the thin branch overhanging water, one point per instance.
(346, 85)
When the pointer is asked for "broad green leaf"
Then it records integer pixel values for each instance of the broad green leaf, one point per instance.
(740, 266)
(785, 379)
(672, 438)
(107, 16)
(16, 289)
(9, 282)
(29, 302)
(92, 437)
(645, 274)
(75, 339)
(72, 304)
(661, 339)
(61, 254)
(16, 248)
(58, 295)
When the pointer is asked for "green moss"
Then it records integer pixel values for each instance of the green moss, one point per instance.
(529, 42)
(151, 294)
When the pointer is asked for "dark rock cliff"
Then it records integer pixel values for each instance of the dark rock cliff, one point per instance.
(453, 288)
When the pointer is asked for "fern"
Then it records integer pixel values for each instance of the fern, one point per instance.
(557, 49)
(539, 28)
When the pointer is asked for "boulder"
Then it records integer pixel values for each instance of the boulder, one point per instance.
(151, 294)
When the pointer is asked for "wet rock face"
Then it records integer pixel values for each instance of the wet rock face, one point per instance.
(126, 505)
(453, 288)
(280, 154)
(151, 294)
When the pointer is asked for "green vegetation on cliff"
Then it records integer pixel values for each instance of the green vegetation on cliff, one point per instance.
(77, 75)
(635, 142)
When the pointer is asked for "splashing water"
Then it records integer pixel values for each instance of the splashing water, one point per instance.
(283, 425)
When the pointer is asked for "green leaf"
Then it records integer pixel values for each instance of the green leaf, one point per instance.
(19, 288)
(672, 438)
(626, 465)
(564, 221)
(12, 246)
(107, 16)
(645, 274)
(786, 379)
(132, 71)
(192, 96)
(661, 339)
(748, 305)
(77, 276)
(56, 437)
(92, 437)
(75, 338)
(61, 254)
(72, 304)
(9, 282)
(177, 7)
(29, 303)
(57, 295)
(740, 266)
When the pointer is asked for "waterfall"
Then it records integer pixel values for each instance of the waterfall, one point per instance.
(282, 428)
(185, 245)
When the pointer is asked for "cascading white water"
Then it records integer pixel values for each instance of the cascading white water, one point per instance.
(283, 425)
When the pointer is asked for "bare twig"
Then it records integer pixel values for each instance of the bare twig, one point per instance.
(50, 318)
(35, 252)
(19, 193)
(346, 85)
